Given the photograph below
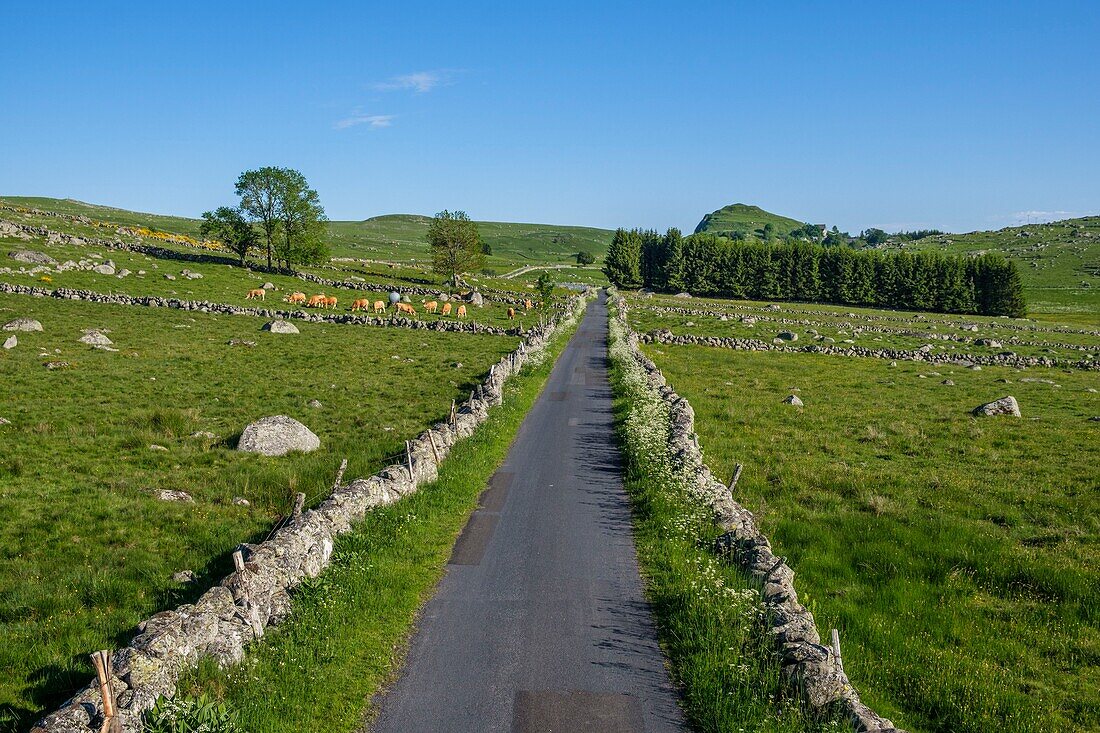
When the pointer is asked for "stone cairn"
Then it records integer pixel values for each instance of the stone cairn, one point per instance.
(810, 668)
(232, 614)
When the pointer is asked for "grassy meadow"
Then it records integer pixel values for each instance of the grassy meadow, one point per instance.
(958, 556)
(86, 550)
(397, 238)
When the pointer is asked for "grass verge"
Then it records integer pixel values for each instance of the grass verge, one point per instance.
(709, 615)
(350, 625)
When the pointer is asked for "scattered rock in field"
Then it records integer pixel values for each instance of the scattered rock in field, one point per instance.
(315, 404)
(105, 269)
(280, 327)
(5, 421)
(1040, 381)
(773, 307)
(793, 400)
(204, 435)
(191, 275)
(155, 447)
(184, 576)
(268, 286)
(926, 348)
(893, 363)
(969, 327)
(237, 342)
(1091, 389)
(476, 299)
(723, 317)
(992, 343)
(689, 324)
(948, 383)
(95, 338)
(787, 335)
(52, 365)
(1004, 406)
(11, 342)
(170, 495)
(974, 368)
(32, 258)
(457, 365)
(23, 324)
(277, 435)
(1002, 380)
(169, 277)
(240, 501)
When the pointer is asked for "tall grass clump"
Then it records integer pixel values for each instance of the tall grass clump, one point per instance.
(710, 617)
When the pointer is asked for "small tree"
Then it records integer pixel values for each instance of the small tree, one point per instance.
(545, 288)
(302, 220)
(623, 262)
(228, 226)
(455, 245)
(584, 257)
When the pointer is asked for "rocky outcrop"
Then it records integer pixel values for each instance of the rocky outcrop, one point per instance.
(23, 324)
(237, 611)
(280, 326)
(1004, 406)
(810, 668)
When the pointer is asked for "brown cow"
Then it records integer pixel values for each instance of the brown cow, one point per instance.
(259, 293)
(379, 306)
(296, 298)
(430, 306)
(316, 301)
(405, 308)
(527, 305)
(511, 314)
(360, 304)
(461, 312)
(330, 302)
(446, 310)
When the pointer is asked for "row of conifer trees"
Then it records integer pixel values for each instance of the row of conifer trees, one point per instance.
(707, 265)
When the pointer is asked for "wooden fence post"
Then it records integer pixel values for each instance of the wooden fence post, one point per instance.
(435, 451)
(736, 477)
(102, 662)
(836, 648)
(409, 456)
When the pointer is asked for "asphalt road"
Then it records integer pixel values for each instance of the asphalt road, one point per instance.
(540, 623)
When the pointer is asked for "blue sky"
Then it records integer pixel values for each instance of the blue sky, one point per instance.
(958, 115)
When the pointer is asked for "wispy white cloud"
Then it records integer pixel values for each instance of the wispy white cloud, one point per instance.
(374, 121)
(418, 81)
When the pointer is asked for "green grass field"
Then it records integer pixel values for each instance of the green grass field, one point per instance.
(87, 550)
(396, 238)
(745, 219)
(958, 556)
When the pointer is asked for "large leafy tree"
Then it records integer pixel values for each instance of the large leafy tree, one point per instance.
(302, 220)
(259, 192)
(228, 226)
(455, 245)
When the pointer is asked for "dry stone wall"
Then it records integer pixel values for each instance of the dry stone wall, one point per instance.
(236, 612)
(665, 336)
(810, 668)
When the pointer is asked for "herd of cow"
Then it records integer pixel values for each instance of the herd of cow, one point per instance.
(379, 306)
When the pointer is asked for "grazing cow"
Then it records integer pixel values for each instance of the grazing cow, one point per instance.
(296, 298)
(511, 314)
(446, 309)
(360, 304)
(316, 301)
(430, 306)
(330, 302)
(527, 305)
(405, 308)
(379, 306)
(461, 312)
(257, 293)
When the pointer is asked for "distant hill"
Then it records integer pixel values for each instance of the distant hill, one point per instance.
(745, 219)
(1059, 262)
(396, 237)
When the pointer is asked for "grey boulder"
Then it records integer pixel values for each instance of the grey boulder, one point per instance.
(277, 435)
(280, 327)
(23, 324)
(32, 258)
(1004, 406)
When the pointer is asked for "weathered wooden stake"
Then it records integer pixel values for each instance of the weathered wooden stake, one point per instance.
(102, 662)
(435, 451)
(299, 504)
(238, 561)
(836, 648)
(340, 474)
(409, 456)
(454, 414)
(736, 477)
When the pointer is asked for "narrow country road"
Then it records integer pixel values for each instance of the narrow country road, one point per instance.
(540, 623)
